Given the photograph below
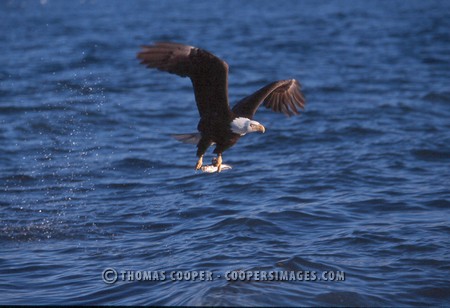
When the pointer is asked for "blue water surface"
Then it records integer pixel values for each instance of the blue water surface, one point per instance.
(358, 184)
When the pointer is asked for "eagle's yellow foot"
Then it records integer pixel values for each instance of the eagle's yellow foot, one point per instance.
(199, 163)
(219, 163)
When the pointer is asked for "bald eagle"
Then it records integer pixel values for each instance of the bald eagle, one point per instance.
(219, 124)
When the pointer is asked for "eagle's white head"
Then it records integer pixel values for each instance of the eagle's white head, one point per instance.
(243, 126)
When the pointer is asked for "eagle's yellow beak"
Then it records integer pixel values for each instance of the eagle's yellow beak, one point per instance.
(260, 128)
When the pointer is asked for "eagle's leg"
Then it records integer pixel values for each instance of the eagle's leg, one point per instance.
(199, 163)
(219, 162)
(202, 146)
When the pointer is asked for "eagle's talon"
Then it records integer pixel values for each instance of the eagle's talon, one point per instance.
(199, 164)
(219, 163)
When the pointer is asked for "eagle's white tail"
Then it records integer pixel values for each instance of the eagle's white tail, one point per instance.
(193, 138)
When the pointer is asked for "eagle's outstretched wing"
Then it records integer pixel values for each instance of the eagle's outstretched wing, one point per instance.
(281, 96)
(208, 73)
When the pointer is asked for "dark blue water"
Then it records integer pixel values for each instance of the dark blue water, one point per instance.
(359, 184)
